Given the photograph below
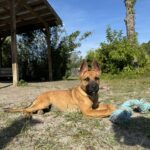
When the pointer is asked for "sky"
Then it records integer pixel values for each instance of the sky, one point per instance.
(96, 15)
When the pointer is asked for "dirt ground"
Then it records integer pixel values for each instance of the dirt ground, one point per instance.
(71, 131)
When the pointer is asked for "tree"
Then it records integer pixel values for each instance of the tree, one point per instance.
(91, 55)
(63, 47)
(32, 53)
(130, 20)
(146, 47)
(118, 53)
(5, 53)
(33, 60)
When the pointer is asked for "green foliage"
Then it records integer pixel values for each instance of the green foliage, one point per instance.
(128, 74)
(33, 53)
(91, 54)
(113, 36)
(146, 47)
(22, 83)
(74, 62)
(63, 51)
(32, 56)
(118, 54)
(5, 49)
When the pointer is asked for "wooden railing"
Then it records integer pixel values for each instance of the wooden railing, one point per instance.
(5, 72)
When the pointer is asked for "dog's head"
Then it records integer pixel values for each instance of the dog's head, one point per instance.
(90, 78)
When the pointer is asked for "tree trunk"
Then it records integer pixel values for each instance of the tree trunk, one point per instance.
(48, 35)
(130, 19)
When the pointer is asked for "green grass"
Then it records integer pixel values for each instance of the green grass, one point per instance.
(123, 89)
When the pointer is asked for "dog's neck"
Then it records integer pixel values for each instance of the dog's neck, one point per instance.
(82, 91)
(93, 97)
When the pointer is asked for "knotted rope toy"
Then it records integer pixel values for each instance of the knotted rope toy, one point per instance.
(125, 111)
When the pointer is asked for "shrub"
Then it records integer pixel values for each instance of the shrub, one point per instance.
(22, 83)
(118, 54)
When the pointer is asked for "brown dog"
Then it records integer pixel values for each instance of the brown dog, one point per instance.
(83, 97)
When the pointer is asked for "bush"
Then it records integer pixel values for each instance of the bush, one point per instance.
(22, 83)
(118, 54)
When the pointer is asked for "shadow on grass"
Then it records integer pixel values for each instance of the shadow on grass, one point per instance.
(136, 132)
(16, 127)
(5, 86)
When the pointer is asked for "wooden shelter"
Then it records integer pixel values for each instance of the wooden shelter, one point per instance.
(19, 16)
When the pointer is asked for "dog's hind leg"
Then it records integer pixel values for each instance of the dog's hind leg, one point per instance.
(33, 108)
(38, 104)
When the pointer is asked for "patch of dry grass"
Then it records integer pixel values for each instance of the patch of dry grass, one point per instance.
(72, 131)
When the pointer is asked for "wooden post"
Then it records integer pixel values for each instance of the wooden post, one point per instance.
(13, 43)
(47, 35)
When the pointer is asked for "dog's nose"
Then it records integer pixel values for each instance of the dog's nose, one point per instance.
(95, 86)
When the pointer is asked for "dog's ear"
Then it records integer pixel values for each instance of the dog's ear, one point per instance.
(84, 67)
(95, 66)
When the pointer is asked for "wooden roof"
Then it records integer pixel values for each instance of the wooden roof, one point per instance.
(30, 15)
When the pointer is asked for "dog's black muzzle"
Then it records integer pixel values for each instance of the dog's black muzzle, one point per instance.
(92, 90)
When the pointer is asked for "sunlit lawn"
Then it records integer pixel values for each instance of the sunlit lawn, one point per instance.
(56, 130)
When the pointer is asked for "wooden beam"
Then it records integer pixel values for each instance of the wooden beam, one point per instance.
(23, 3)
(22, 13)
(47, 36)
(13, 43)
(59, 21)
(28, 21)
(5, 30)
(26, 14)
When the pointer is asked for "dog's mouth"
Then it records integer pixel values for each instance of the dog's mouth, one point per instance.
(92, 92)
(92, 89)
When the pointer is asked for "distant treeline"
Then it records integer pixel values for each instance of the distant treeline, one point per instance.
(117, 54)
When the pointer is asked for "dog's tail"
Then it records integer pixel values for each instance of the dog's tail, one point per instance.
(13, 110)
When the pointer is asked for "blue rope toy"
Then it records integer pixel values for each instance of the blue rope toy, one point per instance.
(125, 111)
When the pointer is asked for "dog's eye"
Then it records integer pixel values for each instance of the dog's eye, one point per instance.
(87, 79)
(96, 78)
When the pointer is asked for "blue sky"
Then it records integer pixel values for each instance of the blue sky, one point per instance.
(96, 15)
